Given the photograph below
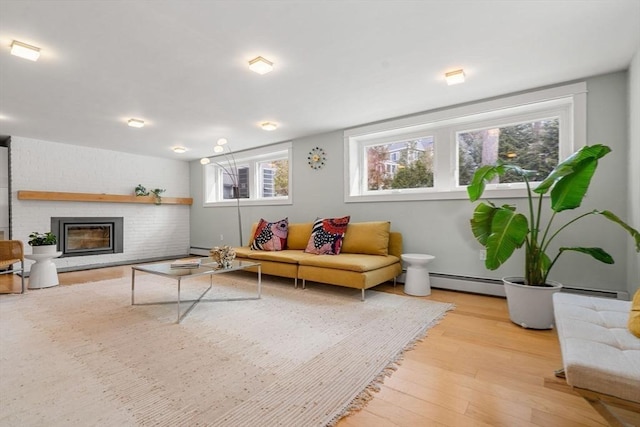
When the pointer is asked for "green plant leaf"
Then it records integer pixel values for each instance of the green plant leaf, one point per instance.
(568, 165)
(479, 181)
(597, 253)
(508, 232)
(481, 222)
(488, 173)
(569, 190)
(632, 231)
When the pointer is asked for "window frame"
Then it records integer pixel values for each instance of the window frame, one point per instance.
(567, 102)
(212, 176)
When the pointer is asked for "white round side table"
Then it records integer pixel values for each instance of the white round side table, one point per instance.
(417, 279)
(44, 273)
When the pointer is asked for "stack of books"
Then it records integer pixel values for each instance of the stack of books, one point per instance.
(186, 263)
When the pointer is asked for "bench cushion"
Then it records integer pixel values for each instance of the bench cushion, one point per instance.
(351, 262)
(598, 351)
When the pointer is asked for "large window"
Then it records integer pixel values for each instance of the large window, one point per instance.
(260, 176)
(434, 155)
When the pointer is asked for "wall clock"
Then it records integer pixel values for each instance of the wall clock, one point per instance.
(316, 158)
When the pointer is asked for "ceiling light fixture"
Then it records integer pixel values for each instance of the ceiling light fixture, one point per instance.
(260, 65)
(25, 51)
(179, 150)
(268, 126)
(136, 123)
(455, 77)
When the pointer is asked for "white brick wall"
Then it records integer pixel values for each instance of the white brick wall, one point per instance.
(150, 231)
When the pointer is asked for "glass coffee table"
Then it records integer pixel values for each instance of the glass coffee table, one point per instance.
(208, 267)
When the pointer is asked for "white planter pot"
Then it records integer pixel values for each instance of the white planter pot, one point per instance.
(45, 249)
(530, 306)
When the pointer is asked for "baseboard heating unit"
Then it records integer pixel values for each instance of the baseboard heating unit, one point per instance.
(488, 286)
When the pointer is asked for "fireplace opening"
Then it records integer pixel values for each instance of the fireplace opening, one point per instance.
(88, 235)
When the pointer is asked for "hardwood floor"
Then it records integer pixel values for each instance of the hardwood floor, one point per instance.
(474, 368)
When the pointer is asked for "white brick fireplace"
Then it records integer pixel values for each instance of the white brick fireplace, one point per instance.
(150, 231)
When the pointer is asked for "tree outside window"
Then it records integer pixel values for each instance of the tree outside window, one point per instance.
(531, 145)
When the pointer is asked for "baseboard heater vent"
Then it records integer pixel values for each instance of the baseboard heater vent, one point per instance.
(476, 285)
(488, 286)
(602, 293)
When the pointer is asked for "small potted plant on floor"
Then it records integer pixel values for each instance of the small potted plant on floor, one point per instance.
(502, 230)
(43, 242)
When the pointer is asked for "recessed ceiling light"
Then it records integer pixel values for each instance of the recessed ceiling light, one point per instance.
(179, 150)
(25, 51)
(455, 77)
(136, 123)
(268, 126)
(260, 65)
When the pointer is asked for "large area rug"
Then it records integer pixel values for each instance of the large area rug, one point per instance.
(83, 356)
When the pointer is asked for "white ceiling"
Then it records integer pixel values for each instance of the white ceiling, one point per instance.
(182, 65)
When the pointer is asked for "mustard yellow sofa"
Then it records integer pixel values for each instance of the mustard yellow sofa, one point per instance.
(370, 255)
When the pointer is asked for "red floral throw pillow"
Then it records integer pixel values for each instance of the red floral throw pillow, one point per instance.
(326, 236)
(270, 236)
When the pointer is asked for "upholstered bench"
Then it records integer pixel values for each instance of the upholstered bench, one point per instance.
(601, 356)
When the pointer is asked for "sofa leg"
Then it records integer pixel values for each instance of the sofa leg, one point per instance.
(362, 294)
(295, 283)
(303, 284)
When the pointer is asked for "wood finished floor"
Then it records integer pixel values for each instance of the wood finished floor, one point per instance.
(475, 368)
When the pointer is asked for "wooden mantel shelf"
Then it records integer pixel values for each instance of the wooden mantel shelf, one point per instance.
(95, 197)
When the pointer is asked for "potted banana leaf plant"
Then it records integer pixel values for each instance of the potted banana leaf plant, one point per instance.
(502, 230)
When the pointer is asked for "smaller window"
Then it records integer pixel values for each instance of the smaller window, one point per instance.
(260, 176)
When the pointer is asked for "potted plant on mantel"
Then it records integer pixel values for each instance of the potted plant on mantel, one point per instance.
(501, 230)
(43, 243)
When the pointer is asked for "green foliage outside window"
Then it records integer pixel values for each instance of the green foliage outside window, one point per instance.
(530, 145)
(282, 177)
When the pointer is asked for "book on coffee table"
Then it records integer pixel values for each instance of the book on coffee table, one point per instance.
(186, 263)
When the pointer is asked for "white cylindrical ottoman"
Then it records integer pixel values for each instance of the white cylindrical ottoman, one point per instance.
(417, 279)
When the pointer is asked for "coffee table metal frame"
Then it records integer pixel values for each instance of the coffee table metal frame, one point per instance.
(208, 267)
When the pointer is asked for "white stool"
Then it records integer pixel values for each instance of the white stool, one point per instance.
(44, 273)
(417, 279)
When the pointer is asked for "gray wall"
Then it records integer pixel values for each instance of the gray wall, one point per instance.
(440, 227)
(4, 193)
(634, 168)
